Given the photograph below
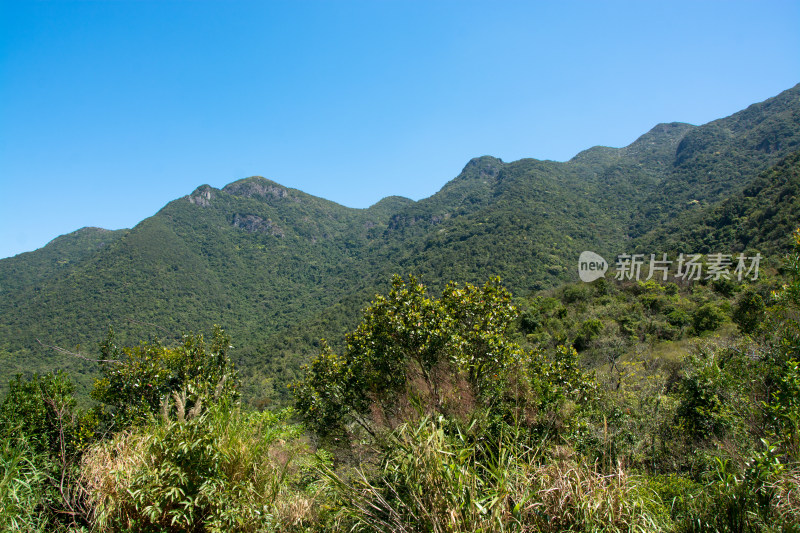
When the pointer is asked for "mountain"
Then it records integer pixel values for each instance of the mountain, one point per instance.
(279, 268)
(721, 157)
(64, 252)
(758, 218)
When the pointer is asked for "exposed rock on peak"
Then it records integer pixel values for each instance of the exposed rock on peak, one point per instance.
(203, 195)
(256, 224)
(256, 186)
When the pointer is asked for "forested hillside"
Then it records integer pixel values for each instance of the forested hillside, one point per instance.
(257, 359)
(753, 219)
(280, 269)
(611, 406)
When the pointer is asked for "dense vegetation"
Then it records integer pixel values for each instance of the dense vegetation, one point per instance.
(280, 269)
(529, 404)
(469, 411)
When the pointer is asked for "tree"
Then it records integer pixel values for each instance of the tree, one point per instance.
(707, 318)
(413, 354)
(137, 381)
(749, 311)
(413, 350)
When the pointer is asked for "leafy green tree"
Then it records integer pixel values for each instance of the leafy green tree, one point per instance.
(411, 349)
(137, 381)
(708, 317)
(749, 311)
(452, 356)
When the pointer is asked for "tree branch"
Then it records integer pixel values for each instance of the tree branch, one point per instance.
(79, 356)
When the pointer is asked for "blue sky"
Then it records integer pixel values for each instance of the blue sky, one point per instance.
(109, 110)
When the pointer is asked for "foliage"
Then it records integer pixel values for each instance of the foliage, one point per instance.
(414, 350)
(42, 434)
(587, 332)
(137, 380)
(280, 269)
(707, 318)
(463, 428)
(217, 470)
(434, 478)
(749, 311)
(582, 407)
(42, 411)
(784, 404)
(22, 488)
(757, 218)
(709, 394)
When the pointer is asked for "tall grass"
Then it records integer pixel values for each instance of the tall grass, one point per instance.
(22, 486)
(221, 470)
(435, 480)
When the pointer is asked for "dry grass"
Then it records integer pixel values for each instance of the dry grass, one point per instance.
(787, 498)
(570, 496)
(222, 470)
(438, 483)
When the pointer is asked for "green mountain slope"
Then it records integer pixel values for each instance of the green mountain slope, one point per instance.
(720, 158)
(279, 268)
(758, 218)
(64, 252)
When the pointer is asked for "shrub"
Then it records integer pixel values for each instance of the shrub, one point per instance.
(587, 333)
(220, 470)
(43, 435)
(413, 350)
(707, 317)
(749, 311)
(678, 317)
(575, 293)
(136, 380)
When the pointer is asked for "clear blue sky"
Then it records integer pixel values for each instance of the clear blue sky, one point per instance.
(111, 109)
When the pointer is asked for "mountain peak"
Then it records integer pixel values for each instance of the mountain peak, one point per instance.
(661, 140)
(256, 186)
(485, 163)
(203, 195)
(481, 167)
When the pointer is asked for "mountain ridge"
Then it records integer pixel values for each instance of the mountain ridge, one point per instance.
(266, 261)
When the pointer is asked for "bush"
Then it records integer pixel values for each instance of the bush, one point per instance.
(42, 411)
(219, 470)
(587, 333)
(136, 380)
(575, 293)
(43, 435)
(749, 311)
(708, 317)
(678, 317)
(413, 351)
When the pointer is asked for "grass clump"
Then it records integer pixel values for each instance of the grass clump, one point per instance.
(436, 477)
(220, 470)
(22, 486)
